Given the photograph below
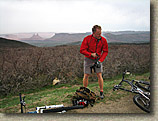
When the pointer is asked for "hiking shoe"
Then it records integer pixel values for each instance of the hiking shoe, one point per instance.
(101, 95)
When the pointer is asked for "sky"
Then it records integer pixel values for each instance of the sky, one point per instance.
(73, 16)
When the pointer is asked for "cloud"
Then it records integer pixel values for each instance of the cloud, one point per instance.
(73, 16)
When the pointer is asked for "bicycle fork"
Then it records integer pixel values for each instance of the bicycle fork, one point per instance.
(141, 92)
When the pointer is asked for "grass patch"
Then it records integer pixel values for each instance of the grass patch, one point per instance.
(62, 93)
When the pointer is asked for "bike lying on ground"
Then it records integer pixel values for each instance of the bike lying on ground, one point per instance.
(81, 99)
(48, 109)
(142, 90)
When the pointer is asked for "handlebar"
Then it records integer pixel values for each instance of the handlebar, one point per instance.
(125, 73)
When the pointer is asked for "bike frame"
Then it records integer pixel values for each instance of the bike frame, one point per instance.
(50, 108)
(134, 88)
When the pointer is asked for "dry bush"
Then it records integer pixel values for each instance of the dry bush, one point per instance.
(135, 58)
(22, 69)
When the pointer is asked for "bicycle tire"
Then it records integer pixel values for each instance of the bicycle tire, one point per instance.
(138, 100)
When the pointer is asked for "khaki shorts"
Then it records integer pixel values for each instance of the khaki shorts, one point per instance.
(88, 63)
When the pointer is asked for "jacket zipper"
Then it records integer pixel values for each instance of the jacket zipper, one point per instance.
(96, 47)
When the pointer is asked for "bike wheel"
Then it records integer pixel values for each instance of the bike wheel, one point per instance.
(142, 103)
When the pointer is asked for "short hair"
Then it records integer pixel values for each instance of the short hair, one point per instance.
(96, 27)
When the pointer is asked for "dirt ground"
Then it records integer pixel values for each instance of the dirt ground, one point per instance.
(124, 105)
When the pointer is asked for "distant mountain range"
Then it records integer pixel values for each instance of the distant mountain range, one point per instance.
(53, 39)
(27, 36)
(67, 37)
(133, 37)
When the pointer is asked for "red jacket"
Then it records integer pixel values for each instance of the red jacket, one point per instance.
(91, 45)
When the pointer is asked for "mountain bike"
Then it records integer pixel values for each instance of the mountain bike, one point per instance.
(140, 88)
(48, 109)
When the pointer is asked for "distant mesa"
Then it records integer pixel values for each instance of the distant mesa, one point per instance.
(67, 37)
(34, 37)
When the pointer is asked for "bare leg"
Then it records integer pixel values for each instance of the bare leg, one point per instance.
(85, 80)
(100, 81)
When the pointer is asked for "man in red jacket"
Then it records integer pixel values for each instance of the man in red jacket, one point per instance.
(95, 49)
